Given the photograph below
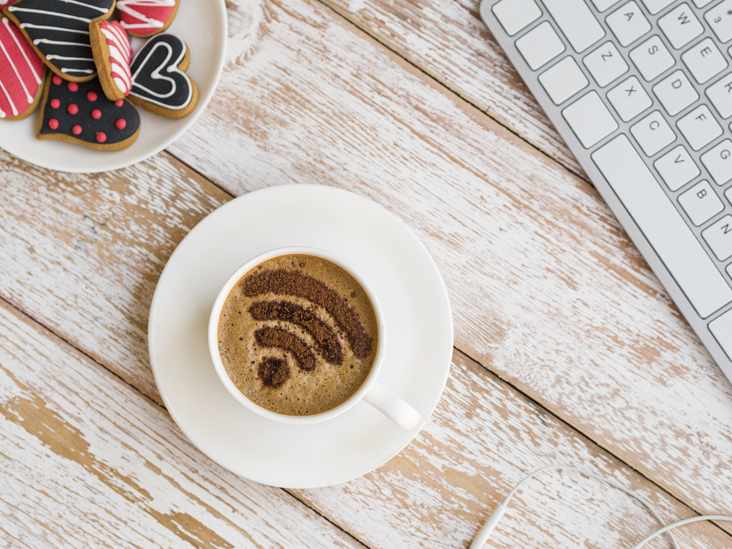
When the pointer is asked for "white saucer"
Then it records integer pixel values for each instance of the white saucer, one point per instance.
(201, 24)
(391, 260)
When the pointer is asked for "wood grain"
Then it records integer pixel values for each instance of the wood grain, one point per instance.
(483, 438)
(89, 462)
(545, 287)
(81, 252)
(447, 40)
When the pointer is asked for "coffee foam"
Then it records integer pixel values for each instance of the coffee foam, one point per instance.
(304, 320)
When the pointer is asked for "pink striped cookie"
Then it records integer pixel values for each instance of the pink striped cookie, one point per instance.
(112, 56)
(147, 17)
(21, 73)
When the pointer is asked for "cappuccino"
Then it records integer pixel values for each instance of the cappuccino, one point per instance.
(297, 335)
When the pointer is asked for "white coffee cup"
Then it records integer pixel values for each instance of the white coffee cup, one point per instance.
(371, 391)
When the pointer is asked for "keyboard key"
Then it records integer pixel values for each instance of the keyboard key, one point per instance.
(721, 328)
(675, 92)
(589, 119)
(680, 26)
(563, 80)
(704, 61)
(699, 127)
(700, 203)
(652, 58)
(653, 133)
(663, 226)
(654, 6)
(629, 99)
(515, 15)
(576, 21)
(605, 64)
(701, 3)
(719, 19)
(719, 237)
(718, 162)
(540, 45)
(677, 168)
(628, 23)
(602, 5)
(720, 94)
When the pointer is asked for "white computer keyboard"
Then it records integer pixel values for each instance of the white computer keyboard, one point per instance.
(641, 91)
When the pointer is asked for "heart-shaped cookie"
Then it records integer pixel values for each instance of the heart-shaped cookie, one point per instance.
(112, 55)
(146, 17)
(21, 73)
(159, 83)
(79, 112)
(59, 31)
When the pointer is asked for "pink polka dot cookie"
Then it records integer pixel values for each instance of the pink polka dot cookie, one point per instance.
(81, 113)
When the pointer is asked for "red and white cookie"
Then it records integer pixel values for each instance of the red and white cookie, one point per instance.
(5, 3)
(21, 73)
(112, 55)
(147, 17)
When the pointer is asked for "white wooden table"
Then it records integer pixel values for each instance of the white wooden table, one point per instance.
(567, 349)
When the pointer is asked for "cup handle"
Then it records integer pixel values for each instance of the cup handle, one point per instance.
(392, 406)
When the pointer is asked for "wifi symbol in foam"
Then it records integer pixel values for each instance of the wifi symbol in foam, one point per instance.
(326, 340)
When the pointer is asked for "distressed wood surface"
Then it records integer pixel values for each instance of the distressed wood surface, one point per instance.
(87, 461)
(447, 40)
(546, 291)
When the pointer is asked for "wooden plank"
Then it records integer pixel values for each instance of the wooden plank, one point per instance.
(87, 461)
(80, 252)
(546, 289)
(483, 438)
(447, 40)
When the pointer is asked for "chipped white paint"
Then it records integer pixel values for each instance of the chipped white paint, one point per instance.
(448, 40)
(89, 462)
(545, 287)
(80, 252)
(245, 25)
(470, 456)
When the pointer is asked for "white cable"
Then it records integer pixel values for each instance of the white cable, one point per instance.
(681, 523)
(485, 532)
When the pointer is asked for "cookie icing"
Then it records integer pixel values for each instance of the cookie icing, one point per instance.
(60, 30)
(145, 17)
(82, 112)
(120, 54)
(155, 74)
(21, 71)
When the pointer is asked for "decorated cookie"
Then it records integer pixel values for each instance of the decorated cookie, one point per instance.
(21, 73)
(146, 17)
(159, 84)
(59, 31)
(112, 55)
(5, 3)
(79, 112)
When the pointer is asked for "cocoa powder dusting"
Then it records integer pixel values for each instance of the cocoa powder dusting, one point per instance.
(273, 372)
(279, 338)
(325, 338)
(300, 285)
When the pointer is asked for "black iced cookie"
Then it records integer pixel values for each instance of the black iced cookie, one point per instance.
(159, 83)
(59, 31)
(79, 112)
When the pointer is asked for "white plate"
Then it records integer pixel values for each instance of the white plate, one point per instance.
(201, 24)
(391, 260)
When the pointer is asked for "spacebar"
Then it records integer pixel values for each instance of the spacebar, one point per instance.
(662, 226)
